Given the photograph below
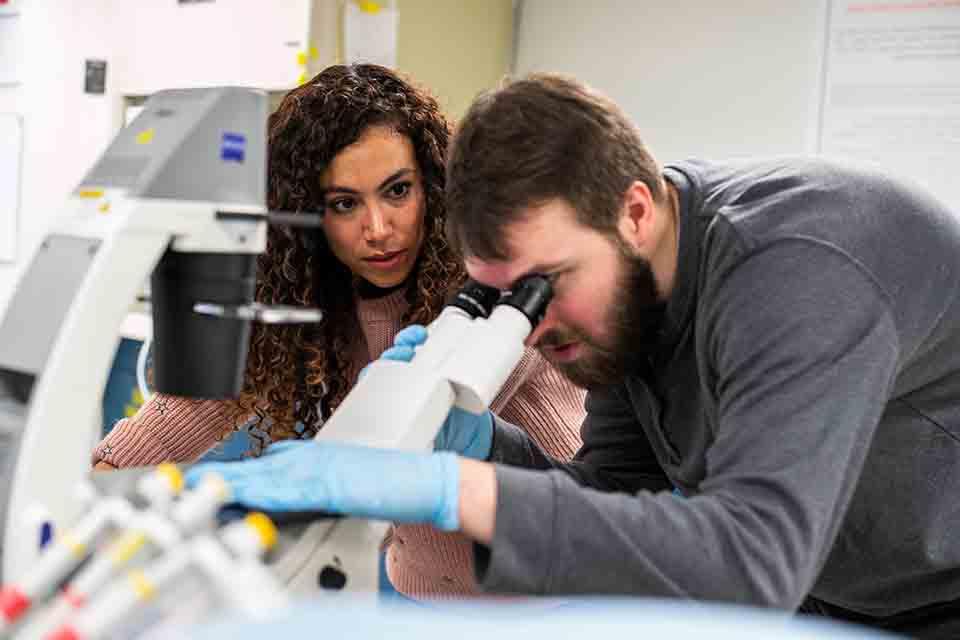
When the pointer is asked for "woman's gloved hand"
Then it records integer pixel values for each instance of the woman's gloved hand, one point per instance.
(466, 433)
(306, 475)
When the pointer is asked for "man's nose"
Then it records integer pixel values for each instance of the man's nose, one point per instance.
(378, 224)
(546, 323)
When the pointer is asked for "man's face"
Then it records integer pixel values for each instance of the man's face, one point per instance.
(605, 313)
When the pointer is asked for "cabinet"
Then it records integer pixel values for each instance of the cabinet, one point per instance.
(250, 43)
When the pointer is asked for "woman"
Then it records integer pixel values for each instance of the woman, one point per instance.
(368, 148)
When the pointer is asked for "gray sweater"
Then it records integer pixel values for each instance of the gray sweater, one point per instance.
(805, 399)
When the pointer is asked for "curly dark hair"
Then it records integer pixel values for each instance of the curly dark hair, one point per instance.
(298, 373)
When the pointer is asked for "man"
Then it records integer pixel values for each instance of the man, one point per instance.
(779, 342)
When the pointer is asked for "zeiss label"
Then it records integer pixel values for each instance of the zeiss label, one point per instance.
(232, 147)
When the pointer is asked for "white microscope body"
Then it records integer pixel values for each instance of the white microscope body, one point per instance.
(467, 358)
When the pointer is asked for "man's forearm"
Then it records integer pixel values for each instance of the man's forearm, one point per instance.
(478, 500)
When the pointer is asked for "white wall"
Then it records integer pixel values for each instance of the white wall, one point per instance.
(64, 129)
(699, 77)
(148, 45)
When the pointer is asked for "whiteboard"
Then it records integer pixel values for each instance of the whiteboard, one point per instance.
(746, 85)
(11, 140)
(891, 93)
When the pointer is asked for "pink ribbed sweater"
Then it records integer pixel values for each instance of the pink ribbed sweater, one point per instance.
(421, 561)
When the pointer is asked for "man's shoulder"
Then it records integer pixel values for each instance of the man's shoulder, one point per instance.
(736, 174)
(750, 205)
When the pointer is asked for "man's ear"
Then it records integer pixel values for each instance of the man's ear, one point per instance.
(637, 216)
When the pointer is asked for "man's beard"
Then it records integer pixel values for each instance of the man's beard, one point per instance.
(633, 324)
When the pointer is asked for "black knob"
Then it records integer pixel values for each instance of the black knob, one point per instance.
(476, 299)
(332, 578)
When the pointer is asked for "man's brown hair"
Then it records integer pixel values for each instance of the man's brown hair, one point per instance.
(535, 139)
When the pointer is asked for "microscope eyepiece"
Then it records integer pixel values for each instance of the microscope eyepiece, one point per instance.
(476, 299)
(531, 295)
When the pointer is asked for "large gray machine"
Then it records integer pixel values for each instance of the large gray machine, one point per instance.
(179, 194)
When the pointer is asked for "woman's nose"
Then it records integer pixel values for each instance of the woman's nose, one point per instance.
(377, 226)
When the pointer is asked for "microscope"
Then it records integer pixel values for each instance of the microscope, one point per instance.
(472, 347)
(179, 197)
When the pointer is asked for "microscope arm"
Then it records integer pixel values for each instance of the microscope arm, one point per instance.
(64, 416)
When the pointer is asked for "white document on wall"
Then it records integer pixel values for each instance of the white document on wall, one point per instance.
(11, 49)
(891, 94)
(370, 33)
(11, 135)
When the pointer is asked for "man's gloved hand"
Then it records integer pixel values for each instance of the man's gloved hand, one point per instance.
(306, 475)
(468, 434)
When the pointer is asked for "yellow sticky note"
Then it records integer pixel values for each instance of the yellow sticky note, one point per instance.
(90, 193)
(145, 136)
(313, 53)
(302, 79)
(302, 58)
(369, 7)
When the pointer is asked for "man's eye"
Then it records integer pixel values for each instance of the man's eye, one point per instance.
(342, 205)
(399, 190)
(553, 279)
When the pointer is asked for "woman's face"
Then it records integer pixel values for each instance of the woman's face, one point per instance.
(374, 206)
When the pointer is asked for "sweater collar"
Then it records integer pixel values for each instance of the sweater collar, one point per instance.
(386, 307)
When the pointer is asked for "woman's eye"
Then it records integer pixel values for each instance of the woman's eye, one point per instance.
(342, 205)
(399, 190)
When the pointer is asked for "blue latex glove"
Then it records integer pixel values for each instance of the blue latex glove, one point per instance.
(306, 475)
(466, 433)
